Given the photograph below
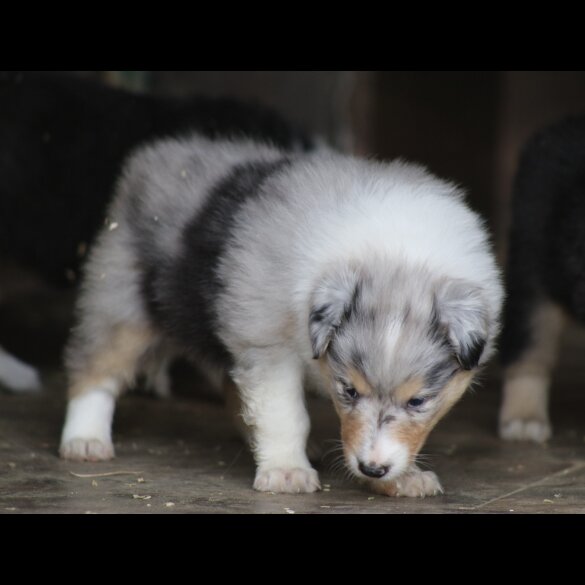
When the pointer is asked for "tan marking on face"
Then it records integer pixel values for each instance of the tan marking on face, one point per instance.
(452, 392)
(352, 426)
(326, 372)
(408, 390)
(359, 382)
(118, 358)
(352, 431)
(414, 434)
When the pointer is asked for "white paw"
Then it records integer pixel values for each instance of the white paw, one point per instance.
(87, 450)
(517, 429)
(413, 484)
(292, 481)
(418, 484)
(18, 376)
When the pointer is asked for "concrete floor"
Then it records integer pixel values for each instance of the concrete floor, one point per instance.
(183, 456)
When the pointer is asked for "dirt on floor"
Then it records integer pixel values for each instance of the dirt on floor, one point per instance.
(182, 455)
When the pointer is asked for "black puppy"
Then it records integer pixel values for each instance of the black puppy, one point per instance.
(63, 141)
(545, 273)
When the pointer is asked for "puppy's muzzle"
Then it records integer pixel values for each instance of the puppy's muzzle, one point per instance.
(375, 471)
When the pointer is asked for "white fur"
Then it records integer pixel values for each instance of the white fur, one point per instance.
(87, 432)
(387, 451)
(379, 448)
(274, 407)
(16, 375)
(287, 480)
(416, 483)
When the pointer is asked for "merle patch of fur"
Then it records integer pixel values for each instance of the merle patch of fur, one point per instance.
(439, 374)
(471, 351)
(181, 295)
(460, 308)
(335, 303)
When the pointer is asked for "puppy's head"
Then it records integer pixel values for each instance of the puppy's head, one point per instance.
(398, 348)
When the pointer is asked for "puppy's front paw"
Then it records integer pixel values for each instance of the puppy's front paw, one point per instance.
(292, 481)
(413, 484)
(518, 429)
(87, 450)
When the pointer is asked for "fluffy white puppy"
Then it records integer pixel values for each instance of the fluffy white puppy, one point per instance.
(374, 279)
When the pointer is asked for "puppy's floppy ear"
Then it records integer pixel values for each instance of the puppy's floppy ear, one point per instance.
(460, 309)
(333, 302)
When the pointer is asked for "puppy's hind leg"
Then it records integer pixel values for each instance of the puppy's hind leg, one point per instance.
(157, 373)
(271, 389)
(96, 382)
(524, 410)
(17, 376)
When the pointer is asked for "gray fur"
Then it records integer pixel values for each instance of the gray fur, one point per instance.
(390, 334)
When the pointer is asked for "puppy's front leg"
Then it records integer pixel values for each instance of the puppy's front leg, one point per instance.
(274, 408)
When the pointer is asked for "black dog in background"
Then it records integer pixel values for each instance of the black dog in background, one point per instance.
(63, 141)
(545, 273)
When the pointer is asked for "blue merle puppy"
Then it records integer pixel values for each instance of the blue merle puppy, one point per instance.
(373, 282)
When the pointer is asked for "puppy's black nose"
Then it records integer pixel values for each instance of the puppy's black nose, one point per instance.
(376, 471)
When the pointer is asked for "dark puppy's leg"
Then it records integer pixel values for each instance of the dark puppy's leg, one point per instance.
(524, 410)
(532, 322)
(94, 386)
(15, 375)
(270, 383)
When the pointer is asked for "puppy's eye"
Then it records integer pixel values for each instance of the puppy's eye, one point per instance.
(351, 392)
(415, 402)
